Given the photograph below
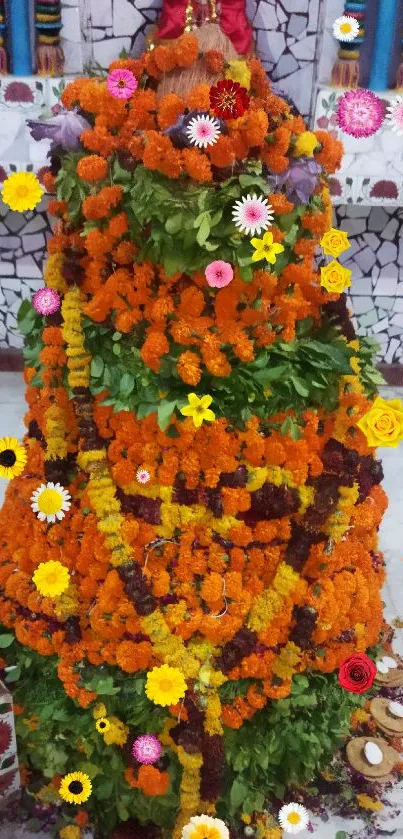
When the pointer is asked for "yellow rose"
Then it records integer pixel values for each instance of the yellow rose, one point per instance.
(335, 242)
(238, 71)
(335, 278)
(383, 423)
(305, 144)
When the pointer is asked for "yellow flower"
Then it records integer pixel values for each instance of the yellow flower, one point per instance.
(50, 502)
(238, 71)
(70, 832)
(75, 788)
(266, 249)
(335, 278)
(51, 578)
(305, 144)
(199, 409)
(116, 733)
(205, 827)
(99, 711)
(102, 725)
(13, 457)
(335, 242)
(383, 423)
(165, 685)
(355, 364)
(22, 191)
(368, 803)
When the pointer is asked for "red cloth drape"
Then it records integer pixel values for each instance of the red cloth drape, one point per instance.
(232, 19)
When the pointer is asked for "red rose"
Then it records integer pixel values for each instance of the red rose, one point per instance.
(357, 673)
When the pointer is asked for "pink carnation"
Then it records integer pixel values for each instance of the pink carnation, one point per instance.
(147, 749)
(121, 84)
(360, 113)
(46, 301)
(219, 274)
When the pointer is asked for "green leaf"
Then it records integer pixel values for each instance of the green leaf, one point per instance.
(174, 223)
(97, 366)
(165, 412)
(91, 769)
(6, 641)
(341, 834)
(13, 675)
(238, 793)
(203, 232)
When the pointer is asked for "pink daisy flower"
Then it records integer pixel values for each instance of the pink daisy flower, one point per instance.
(46, 301)
(143, 476)
(219, 274)
(203, 131)
(252, 214)
(121, 84)
(395, 115)
(360, 113)
(147, 749)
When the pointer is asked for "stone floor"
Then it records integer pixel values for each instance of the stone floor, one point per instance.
(11, 423)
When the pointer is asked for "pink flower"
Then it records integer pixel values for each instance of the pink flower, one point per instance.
(360, 113)
(46, 301)
(252, 214)
(203, 130)
(143, 476)
(147, 749)
(121, 84)
(219, 274)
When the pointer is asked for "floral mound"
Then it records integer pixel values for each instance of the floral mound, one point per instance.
(202, 489)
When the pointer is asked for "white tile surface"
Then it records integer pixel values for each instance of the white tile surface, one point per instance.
(11, 423)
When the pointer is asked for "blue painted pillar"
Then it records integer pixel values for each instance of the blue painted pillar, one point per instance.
(383, 46)
(20, 37)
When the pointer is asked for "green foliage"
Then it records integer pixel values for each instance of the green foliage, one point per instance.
(30, 325)
(288, 742)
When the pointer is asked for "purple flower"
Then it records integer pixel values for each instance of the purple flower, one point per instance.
(299, 180)
(64, 130)
(147, 749)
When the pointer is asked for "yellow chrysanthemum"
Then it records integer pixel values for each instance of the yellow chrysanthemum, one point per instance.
(75, 788)
(199, 409)
(22, 191)
(335, 242)
(102, 725)
(368, 803)
(116, 733)
(205, 827)
(238, 71)
(383, 423)
(13, 457)
(51, 578)
(266, 248)
(99, 711)
(305, 144)
(165, 685)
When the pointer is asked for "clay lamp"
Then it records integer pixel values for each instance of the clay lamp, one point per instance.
(389, 671)
(388, 716)
(372, 757)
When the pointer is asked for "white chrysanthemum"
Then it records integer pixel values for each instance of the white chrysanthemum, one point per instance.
(394, 116)
(143, 476)
(346, 28)
(293, 818)
(252, 214)
(50, 502)
(203, 131)
(202, 826)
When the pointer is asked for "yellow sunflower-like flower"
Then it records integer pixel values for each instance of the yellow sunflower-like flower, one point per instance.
(116, 733)
(165, 685)
(22, 191)
(305, 144)
(51, 578)
(13, 457)
(335, 242)
(238, 71)
(205, 827)
(199, 409)
(266, 248)
(383, 423)
(75, 788)
(102, 725)
(335, 278)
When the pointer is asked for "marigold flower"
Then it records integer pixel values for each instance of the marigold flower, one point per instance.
(92, 168)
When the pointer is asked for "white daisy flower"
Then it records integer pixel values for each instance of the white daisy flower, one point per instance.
(50, 502)
(293, 818)
(394, 116)
(203, 131)
(143, 476)
(200, 826)
(346, 28)
(252, 214)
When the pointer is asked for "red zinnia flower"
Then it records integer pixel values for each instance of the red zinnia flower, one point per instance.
(5, 737)
(228, 99)
(357, 673)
